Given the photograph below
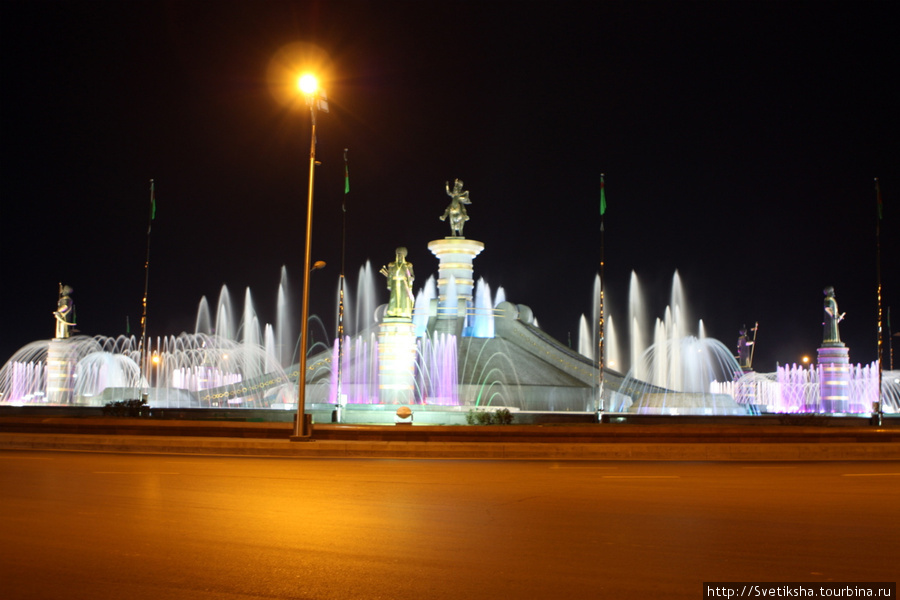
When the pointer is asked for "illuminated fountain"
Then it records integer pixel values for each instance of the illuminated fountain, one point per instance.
(670, 368)
(457, 345)
(519, 366)
(190, 370)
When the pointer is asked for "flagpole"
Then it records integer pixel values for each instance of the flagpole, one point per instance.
(340, 327)
(890, 339)
(143, 353)
(879, 407)
(602, 324)
(753, 346)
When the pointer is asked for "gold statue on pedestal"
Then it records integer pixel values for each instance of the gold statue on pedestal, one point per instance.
(457, 209)
(831, 335)
(400, 282)
(65, 310)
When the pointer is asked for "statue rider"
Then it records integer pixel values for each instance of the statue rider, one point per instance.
(64, 313)
(457, 209)
(400, 279)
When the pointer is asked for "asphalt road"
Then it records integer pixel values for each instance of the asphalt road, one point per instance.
(156, 527)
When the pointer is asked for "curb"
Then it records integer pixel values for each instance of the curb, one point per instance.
(627, 451)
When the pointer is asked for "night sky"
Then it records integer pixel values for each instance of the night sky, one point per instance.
(740, 142)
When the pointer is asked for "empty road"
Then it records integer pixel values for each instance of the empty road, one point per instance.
(112, 526)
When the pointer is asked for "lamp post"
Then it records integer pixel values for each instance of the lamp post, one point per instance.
(308, 85)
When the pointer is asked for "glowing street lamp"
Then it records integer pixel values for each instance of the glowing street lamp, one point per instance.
(308, 85)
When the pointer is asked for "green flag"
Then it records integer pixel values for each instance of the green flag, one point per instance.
(152, 202)
(346, 174)
(602, 196)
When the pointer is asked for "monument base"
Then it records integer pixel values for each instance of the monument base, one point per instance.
(60, 373)
(455, 283)
(834, 374)
(396, 361)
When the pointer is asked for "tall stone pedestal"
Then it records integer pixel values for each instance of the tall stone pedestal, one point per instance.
(60, 373)
(834, 378)
(455, 281)
(396, 361)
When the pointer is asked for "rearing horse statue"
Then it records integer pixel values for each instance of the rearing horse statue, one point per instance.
(457, 209)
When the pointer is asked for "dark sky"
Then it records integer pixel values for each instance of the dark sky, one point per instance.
(740, 143)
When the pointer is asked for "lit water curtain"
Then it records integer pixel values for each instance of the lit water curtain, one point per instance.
(585, 339)
(674, 358)
(284, 337)
(366, 300)
(250, 333)
(436, 370)
(190, 362)
(492, 375)
(359, 375)
(203, 323)
(334, 392)
(611, 346)
(659, 358)
(679, 309)
(890, 392)
(863, 388)
(24, 380)
(222, 372)
(483, 317)
(499, 296)
(713, 361)
(224, 315)
(636, 327)
(757, 389)
(799, 389)
(423, 306)
(100, 370)
(272, 351)
(701, 362)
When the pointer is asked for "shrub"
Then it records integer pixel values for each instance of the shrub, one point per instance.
(127, 408)
(484, 417)
(503, 416)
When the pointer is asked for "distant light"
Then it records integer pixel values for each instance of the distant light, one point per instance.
(308, 84)
(805, 360)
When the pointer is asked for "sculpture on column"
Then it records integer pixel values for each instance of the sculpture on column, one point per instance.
(400, 279)
(65, 310)
(457, 209)
(744, 345)
(832, 336)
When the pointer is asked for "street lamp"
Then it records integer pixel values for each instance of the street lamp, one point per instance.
(308, 85)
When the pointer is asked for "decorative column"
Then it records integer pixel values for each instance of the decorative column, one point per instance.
(834, 378)
(834, 360)
(60, 373)
(455, 281)
(397, 335)
(396, 361)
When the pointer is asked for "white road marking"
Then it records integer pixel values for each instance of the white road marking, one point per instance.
(641, 477)
(134, 473)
